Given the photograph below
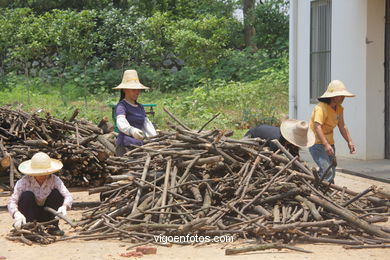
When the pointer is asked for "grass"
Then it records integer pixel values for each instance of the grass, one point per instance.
(240, 105)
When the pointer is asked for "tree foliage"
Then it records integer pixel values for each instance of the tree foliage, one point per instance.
(172, 42)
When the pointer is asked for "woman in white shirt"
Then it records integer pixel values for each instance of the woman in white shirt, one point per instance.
(38, 189)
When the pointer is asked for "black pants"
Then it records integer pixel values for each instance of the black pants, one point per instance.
(29, 208)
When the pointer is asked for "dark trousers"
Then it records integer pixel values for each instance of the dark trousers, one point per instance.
(29, 208)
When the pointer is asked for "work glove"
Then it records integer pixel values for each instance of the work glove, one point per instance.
(62, 210)
(20, 220)
(137, 133)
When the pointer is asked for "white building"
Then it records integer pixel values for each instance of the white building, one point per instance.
(345, 40)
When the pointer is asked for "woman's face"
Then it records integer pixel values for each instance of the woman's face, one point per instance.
(338, 99)
(132, 94)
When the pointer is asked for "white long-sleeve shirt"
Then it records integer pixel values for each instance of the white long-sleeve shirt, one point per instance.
(41, 192)
(125, 127)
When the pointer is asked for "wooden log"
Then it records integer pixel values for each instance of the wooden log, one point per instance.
(60, 215)
(317, 216)
(177, 120)
(351, 218)
(106, 143)
(5, 160)
(143, 177)
(382, 192)
(36, 142)
(262, 211)
(329, 240)
(165, 190)
(366, 246)
(234, 251)
(358, 196)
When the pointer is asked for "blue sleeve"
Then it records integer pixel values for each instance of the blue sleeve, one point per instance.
(120, 109)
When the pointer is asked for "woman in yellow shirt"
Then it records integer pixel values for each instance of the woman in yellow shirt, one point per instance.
(325, 116)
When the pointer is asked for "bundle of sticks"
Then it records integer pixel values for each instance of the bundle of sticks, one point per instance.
(207, 184)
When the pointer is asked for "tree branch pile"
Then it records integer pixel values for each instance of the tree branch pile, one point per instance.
(80, 145)
(207, 184)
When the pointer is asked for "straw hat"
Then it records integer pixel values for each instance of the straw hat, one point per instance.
(39, 165)
(336, 88)
(130, 80)
(297, 132)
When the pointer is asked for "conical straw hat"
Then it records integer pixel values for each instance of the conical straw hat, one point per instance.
(336, 88)
(130, 80)
(297, 132)
(39, 165)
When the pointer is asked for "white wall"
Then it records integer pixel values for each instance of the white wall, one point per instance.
(375, 79)
(355, 63)
(349, 23)
(303, 62)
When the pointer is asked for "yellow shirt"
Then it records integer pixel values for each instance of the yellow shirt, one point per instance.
(328, 118)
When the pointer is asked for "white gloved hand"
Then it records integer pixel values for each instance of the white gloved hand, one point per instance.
(137, 133)
(62, 210)
(20, 220)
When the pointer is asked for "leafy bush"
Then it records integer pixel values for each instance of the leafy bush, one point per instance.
(272, 26)
(203, 42)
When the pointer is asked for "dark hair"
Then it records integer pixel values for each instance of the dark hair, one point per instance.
(122, 95)
(293, 149)
(325, 100)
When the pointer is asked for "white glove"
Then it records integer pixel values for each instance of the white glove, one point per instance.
(137, 133)
(62, 210)
(20, 219)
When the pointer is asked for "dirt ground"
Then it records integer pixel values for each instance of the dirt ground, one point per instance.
(111, 249)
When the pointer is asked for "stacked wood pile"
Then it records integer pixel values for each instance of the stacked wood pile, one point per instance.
(80, 145)
(203, 183)
(206, 184)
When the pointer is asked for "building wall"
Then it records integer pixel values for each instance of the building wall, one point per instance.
(357, 64)
(349, 23)
(375, 43)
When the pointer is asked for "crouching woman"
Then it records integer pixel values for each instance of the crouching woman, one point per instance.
(39, 188)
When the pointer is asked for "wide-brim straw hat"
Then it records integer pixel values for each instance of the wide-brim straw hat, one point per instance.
(39, 165)
(336, 88)
(298, 133)
(130, 80)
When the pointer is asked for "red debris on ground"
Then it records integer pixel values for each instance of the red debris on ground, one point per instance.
(146, 250)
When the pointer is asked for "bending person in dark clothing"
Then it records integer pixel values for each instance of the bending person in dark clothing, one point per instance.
(292, 134)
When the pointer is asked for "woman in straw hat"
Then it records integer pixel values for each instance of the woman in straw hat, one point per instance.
(37, 189)
(325, 116)
(292, 134)
(131, 118)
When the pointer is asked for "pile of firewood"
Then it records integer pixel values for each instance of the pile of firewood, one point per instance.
(80, 145)
(206, 184)
(199, 183)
